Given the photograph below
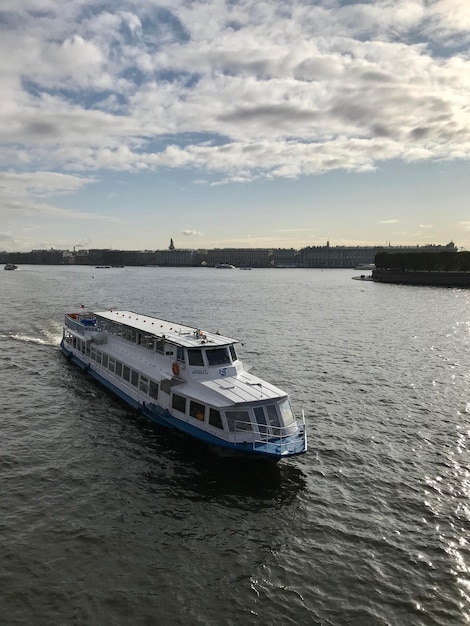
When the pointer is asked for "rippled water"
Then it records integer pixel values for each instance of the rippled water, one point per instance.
(106, 519)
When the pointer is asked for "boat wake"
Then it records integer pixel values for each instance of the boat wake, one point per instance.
(53, 340)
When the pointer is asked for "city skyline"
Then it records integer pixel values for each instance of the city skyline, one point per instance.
(234, 124)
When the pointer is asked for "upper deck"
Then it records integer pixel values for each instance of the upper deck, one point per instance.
(178, 334)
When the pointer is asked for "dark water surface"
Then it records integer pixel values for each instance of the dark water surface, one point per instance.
(107, 520)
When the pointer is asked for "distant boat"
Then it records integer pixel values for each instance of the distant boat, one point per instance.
(225, 266)
(363, 277)
(10, 266)
(245, 268)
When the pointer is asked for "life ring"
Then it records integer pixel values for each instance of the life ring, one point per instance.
(175, 368)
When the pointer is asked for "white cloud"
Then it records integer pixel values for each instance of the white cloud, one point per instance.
(40, 183)
(85, 94)
(391, 221)
(191, 233)
(235, 91)
(22, 194)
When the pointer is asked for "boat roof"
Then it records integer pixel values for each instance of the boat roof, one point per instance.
(234, 390)
(186, 336)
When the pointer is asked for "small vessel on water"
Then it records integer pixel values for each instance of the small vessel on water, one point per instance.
(225, 266)
(365, 266)
(10, 266)
(187, 379)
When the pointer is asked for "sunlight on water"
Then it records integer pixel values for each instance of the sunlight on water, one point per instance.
(449, 503)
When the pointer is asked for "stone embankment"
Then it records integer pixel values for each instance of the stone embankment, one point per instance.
(410, 277)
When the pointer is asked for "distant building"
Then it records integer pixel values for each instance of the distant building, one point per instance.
(336, 256)
(247, 257)
(175, 257)
(311, 256)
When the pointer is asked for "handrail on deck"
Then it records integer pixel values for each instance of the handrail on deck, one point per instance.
(264, 434)
(78, 326)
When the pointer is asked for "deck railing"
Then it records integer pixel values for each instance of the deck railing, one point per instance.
(79, 325)
(277, 435)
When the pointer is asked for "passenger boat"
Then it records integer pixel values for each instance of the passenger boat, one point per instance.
(10, 266)
(187, 379)
(225, 266)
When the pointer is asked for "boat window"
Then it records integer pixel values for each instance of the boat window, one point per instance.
(261, 419)
(197, 410)
(178, 403)
(93, 354)
(165, 385)
(135, 378)
(119, 368)
(144, 384)
(153, 390)
(238, 420)
(215, 419)
(111, 364)
(273, 417)
(159, 345)
(98, 356)
(88, 322)
(195, 357)
(218, 356)
(130, 334)
(286, 412)
(180, 354)
(105, 360)
(233, 353)
(126, 372)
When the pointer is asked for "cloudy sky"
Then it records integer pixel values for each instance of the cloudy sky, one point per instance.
(239, 123)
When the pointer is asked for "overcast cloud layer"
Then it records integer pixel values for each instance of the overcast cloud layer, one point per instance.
(236, 90)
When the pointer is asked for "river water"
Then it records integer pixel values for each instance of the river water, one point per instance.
(108, 520)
